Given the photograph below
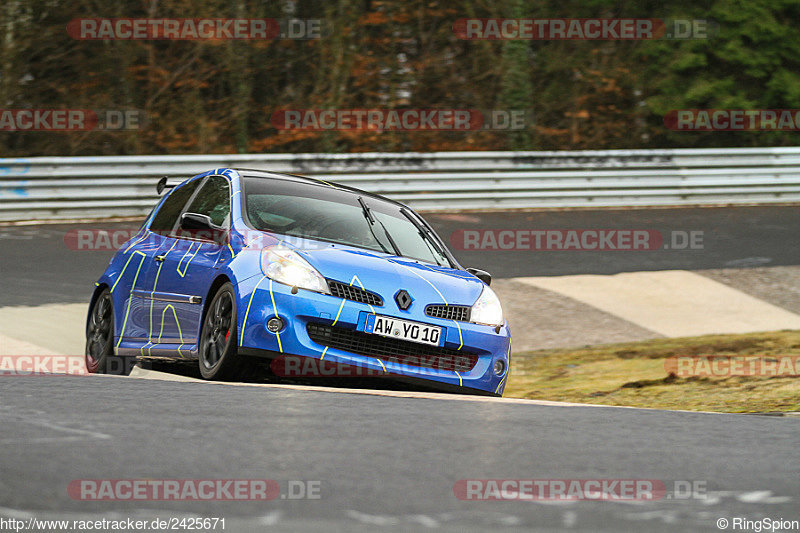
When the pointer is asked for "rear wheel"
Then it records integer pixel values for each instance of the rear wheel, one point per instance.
(100, 333)
(218, 347)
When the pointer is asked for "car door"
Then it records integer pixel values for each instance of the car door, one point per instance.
(187, 263)
(147, 248)
(135, 259)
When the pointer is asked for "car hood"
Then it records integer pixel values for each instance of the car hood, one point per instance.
(386, 274)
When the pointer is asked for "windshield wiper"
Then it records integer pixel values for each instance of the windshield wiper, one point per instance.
(371, 220)
(426, 235)
(367, 212)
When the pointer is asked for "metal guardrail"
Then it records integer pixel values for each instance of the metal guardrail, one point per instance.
(87, 187)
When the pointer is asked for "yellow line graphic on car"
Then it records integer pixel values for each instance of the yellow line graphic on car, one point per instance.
(355, 278)
(122, 273)
(420, 276)
(339, 313)
(247, 312)
(469, 276)
(153, 292)
(130, 296)
(180, 334)
(501, 383)
(137, 241)
(361, 285)
(186, 267)
(460, 338)
(275, 311)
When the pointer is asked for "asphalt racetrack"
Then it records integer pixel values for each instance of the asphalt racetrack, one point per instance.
(386, 460)
(383, 463)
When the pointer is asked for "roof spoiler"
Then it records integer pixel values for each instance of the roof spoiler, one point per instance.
(168, 182)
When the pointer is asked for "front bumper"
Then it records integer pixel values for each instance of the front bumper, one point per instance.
(260, 299)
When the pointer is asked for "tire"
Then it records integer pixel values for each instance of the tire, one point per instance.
(217, 347)
(100, 333)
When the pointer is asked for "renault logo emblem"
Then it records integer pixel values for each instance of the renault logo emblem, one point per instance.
(403, 299)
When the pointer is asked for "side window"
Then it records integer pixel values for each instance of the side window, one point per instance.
(213, 200)
(167, 216)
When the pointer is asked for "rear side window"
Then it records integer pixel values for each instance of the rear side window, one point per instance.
(167, 216)
(213, 200)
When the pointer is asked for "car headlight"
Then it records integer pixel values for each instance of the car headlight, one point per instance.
(287, 267)
(487, 310)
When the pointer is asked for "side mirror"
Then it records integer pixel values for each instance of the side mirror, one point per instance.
(481, 275)
(195, 221)
(200, 227)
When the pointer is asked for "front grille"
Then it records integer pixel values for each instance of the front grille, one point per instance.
(357, 294)
(448, 312)
(392, 350)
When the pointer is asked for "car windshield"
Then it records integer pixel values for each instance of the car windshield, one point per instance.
(328, 214)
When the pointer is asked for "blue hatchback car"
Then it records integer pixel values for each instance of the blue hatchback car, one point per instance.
(234, 265)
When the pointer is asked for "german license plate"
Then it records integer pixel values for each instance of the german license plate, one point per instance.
(403, 329)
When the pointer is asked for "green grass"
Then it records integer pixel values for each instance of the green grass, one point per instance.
(634, 374)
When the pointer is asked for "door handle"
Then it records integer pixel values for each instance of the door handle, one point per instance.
(160, 258)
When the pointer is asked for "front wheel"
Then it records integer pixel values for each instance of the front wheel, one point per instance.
(100, 333)
(218, 347)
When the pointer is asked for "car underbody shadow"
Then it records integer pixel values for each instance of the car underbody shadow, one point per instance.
(261, 372)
